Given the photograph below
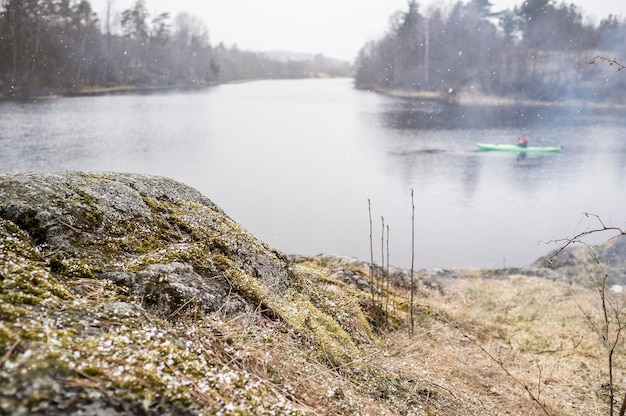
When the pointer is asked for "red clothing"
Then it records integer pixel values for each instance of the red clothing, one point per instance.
(523, 141)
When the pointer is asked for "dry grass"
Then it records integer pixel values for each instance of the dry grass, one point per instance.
(514, 345)
(492, 343)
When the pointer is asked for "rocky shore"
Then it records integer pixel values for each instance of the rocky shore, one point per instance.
(135, 294)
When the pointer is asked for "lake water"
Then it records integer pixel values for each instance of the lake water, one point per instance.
(296, 161)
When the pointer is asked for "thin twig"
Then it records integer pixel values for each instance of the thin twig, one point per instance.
(10, 351)
(611, 312)
(369, 206)
(411, 319)
(180, 308)
(382, 255)
(611, 62)
(496, 360)
(387, 294)
(71, 227)
(566, 242)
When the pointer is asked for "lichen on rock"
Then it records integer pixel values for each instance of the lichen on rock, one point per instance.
(113, 288)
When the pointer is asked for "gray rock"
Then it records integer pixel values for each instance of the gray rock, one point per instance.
(101, 258)
(182, 248)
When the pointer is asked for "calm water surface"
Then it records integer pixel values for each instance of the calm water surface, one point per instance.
(296, 161)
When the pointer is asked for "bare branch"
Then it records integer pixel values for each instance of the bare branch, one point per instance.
(611, 62)
(372, 282)
(563, 243)
(412, 322)
(612, 326)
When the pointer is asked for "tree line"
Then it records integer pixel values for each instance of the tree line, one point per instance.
(539, 50)
(63, 46)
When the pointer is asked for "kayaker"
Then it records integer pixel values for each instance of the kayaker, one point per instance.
(522, 141)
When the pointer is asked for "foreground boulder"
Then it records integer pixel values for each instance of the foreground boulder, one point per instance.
(116, 291)
(158, 238)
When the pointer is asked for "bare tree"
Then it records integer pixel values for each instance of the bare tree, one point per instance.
(612, 323)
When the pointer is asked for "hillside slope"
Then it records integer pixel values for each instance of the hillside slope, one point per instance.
(134, 294)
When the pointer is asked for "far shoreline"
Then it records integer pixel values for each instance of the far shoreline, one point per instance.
(470, 98)
(94, 91)
(462, 98)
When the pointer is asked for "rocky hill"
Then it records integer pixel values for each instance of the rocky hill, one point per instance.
(133, 294)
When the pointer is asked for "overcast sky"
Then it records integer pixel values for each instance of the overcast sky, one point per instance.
(335, 28)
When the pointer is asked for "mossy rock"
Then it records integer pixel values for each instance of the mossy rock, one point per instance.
(106, 280)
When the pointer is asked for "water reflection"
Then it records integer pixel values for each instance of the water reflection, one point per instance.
(487, 202)
(296, 161)
(423, 114)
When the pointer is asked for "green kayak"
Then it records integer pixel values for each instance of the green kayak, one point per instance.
(516, 148)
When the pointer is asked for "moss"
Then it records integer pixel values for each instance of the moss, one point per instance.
(59, 310)
(16, 243)
(123, 237)
(30, 221)
(85, 197)
(349, 306)
(7, 340)
(10, 312)
(21, 299)
(25, 287)
(73, 268)
(197, 222)
(196, 255)
(244, 283)
(92, 219)
(92, 371)
(146, 234)
(23, 278)
(335, 344)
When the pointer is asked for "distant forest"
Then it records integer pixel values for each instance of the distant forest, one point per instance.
(539, 50)
(64, 47)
